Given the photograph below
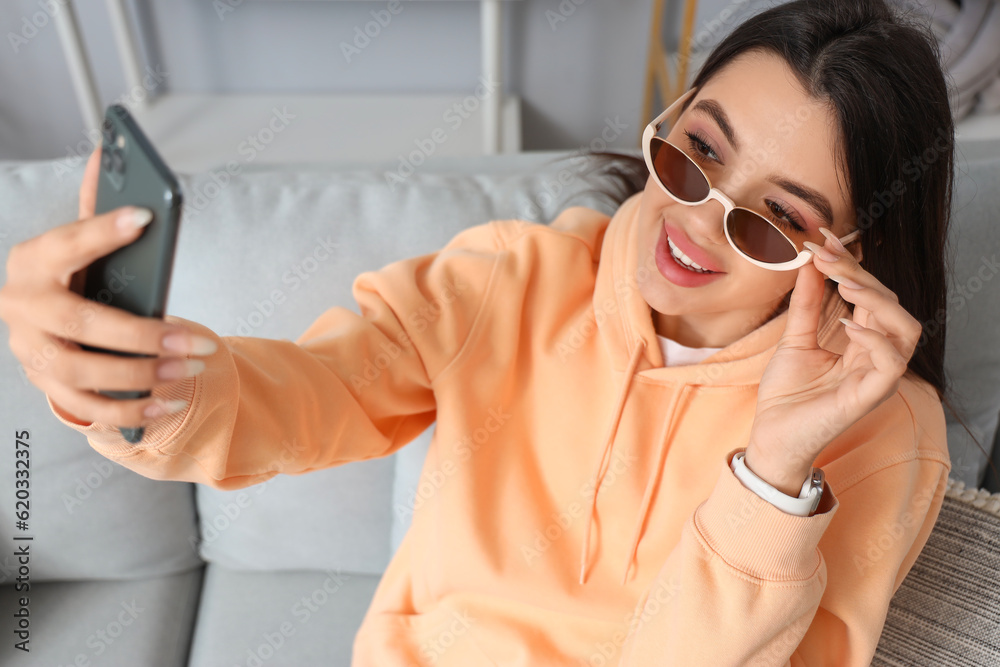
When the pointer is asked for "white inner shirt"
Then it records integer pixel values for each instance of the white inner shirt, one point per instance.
(675, 354)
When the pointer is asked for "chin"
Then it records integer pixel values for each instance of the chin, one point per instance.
(655, 291)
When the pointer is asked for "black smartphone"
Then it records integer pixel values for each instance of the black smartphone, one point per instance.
(135, 277)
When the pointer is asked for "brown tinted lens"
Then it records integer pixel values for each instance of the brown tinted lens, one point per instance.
(758, 238)
(677, 172)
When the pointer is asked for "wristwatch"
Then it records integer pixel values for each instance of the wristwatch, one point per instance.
(804, 505)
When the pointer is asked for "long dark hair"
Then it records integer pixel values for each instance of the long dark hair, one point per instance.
(880, 71)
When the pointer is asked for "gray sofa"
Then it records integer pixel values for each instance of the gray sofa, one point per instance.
(125, 570)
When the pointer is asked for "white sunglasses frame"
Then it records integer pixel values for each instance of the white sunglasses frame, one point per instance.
(803, 256)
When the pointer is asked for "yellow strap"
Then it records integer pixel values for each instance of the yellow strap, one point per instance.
(657, 71)
(690, 9)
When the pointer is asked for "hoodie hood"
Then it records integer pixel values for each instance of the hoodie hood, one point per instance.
(629, 337)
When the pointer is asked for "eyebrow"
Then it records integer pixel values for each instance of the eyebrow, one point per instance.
(817, 201)
(715, 110)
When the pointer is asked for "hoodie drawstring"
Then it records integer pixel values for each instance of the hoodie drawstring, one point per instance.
(605, 456)
(650, 483)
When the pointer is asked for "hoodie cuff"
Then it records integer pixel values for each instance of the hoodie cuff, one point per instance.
(756, 537)
(107, 440)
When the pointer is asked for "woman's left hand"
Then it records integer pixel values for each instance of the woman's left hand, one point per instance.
(807, 395)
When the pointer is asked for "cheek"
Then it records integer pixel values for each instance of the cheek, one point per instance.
(774, 285)
(654, 199)
(650, 217)
(760, 285)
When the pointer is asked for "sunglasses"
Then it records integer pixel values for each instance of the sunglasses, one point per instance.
(756, 238)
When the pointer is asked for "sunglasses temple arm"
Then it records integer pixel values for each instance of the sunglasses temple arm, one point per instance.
(850, 237)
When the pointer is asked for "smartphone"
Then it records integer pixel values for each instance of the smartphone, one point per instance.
(135, 277)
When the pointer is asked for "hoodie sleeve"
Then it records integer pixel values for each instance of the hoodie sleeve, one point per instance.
(749, 584)
(351, 387)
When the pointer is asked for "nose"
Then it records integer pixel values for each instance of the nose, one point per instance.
(706, 221)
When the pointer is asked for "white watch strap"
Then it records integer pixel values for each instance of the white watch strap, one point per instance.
(804, 505)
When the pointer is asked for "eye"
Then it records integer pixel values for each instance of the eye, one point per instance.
(699, 144)
(785, 218)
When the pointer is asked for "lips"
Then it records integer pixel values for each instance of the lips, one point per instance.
(692, 251)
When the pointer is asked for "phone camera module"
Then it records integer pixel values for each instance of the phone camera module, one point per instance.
(108, 132)
(117, 162)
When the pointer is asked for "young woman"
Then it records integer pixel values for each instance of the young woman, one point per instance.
(633, 450)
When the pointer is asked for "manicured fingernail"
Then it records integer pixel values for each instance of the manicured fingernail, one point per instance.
(178, 342)
(851, 323)
(846, 282)
(180, 368)
(202, 345)
(161, 407)
(822, 252)
(832, 238)
(133, 217)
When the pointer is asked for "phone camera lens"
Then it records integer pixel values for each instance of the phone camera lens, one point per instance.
(108, 130)
(106, 161)
(117, 162)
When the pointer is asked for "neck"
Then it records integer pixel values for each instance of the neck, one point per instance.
(679, 328)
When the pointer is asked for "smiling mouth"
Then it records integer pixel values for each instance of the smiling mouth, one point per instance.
(682, 259)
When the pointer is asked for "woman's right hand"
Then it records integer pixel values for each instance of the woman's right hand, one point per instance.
(47, 317)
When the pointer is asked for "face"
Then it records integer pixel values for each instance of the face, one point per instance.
(773, 154)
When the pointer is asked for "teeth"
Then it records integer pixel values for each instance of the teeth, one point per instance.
(681, 257)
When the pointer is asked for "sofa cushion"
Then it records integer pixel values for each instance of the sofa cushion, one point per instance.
(972, 355)
(337, 517)
(106, 623)
(279, 618)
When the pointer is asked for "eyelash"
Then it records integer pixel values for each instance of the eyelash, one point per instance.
(697, 142)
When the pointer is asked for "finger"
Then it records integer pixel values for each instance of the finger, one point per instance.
(89, 406)
(67, 249)
(901, 328)
(82, 369)
(888, 365)
(804, 308)
(78, 282)
(845, 266)
(72, 317)
(88, 188)
(871, 322)
(863, 316)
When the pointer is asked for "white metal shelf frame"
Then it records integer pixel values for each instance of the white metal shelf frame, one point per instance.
(499, 116)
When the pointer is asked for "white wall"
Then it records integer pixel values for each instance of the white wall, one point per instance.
(573, 74)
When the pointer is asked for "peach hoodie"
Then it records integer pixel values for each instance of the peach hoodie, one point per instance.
(536, 355)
